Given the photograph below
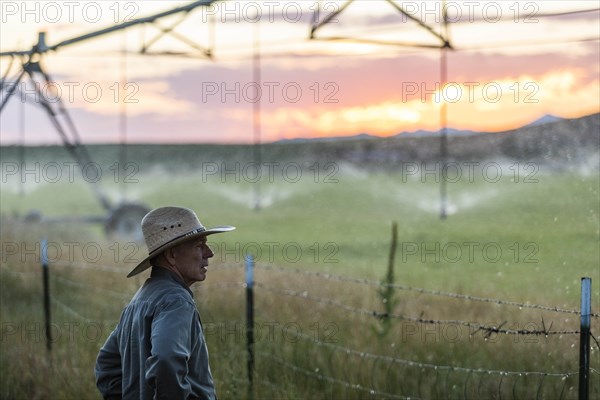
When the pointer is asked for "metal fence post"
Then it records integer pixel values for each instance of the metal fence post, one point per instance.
(45, 277)
(584, 338)
(250, 322)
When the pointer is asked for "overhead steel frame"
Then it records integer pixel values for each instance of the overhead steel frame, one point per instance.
(444, 46)
(120, 218)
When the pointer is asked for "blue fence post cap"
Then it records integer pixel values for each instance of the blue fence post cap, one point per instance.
(249, 271)
(44, 251)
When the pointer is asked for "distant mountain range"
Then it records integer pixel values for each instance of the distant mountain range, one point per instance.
(546, 119)
(547, 140)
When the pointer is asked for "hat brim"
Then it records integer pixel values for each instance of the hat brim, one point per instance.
(145, 264)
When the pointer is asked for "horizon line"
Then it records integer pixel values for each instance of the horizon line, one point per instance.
(358, 136)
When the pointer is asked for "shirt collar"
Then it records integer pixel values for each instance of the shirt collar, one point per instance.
(161, 272)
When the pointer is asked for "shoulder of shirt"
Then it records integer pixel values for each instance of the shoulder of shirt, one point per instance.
(167, 292)
(174, 297)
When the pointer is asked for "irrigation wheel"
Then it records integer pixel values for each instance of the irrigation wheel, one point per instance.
(124, 221)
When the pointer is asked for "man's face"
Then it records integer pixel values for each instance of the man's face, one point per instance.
(191, 259)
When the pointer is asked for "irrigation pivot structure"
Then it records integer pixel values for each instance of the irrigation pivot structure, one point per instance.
(443, 44)
(122, 219)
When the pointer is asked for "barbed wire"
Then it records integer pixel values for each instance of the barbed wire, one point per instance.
(517, 376)
(369, 282)
(220, 285)
(219, 267)
(94, 267)
(359, 281)
(127, 295)
(77, 315)
(322, 377)
(268, 383)
(109, 268)
(364, 354)
(479, 327)
(488, 330)
(69, 310)
(20, 273)
(121, 295)
(53, 299)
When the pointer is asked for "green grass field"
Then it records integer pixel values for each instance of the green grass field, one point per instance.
(522, 241)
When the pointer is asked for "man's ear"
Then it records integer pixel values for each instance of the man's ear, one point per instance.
(169, 255)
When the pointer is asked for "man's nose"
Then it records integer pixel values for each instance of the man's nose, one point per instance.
(208, 252)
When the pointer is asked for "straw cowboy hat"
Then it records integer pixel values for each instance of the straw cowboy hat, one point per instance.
(166, 227)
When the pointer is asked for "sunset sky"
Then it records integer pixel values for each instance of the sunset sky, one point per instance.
(512, 63)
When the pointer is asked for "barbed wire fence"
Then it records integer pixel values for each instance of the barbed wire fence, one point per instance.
(514, 383)
(375, 375)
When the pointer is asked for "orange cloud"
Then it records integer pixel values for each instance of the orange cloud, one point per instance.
(500, 104)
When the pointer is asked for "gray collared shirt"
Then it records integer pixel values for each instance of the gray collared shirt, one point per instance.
(157, 350)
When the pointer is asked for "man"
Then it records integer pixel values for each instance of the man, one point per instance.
(157, 350)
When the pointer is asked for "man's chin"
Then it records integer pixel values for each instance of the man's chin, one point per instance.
(199, 277)
(202, 275)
